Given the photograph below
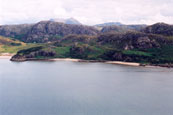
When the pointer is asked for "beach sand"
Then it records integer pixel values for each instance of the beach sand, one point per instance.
(123, 63)
(6, 55)
(9, 56)
(65, 59)
(107, 62)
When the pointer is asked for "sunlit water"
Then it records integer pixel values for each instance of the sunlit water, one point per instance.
(73, 88)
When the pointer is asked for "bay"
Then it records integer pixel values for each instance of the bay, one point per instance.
(74, 88)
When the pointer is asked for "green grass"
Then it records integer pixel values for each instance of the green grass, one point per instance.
(15, 49)
(138, 53)
(95, 52)
(61, 52)
(163, 54)
(9, 45)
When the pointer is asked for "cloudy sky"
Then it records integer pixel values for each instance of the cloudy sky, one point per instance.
(87, 11)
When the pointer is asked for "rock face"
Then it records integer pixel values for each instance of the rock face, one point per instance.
(18, 58)
(45, 31)
(160, 28)
(132, 40)
(114, 28)
(33, 55)
(15, 31)
(109, 24)
(118, 27)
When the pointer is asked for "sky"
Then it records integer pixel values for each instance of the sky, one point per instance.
(89, 12)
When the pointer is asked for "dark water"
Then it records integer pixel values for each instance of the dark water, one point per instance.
(71, 88)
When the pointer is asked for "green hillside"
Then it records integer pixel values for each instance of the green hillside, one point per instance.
(8, 45)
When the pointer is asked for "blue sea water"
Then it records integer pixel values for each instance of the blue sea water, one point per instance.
(73, 88)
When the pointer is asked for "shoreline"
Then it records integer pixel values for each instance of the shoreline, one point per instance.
(77, 60)
(123, 63)
(134, 64)
(6, 55)
(95, 61)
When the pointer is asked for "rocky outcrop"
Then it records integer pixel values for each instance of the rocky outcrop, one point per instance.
(114, 28)
(35, 53)
(15, 31)
(18, 58)
(45, 31)
(160, 28)
(80, 52)
(132, 40)
(115, 55)
(118, 27)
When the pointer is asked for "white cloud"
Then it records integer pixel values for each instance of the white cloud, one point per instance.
(87, 11)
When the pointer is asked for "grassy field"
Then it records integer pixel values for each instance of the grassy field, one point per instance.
(8, 45)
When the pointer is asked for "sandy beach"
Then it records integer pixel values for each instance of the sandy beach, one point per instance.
(123, 63)
(9, 56)
(65, 59)
(6, 55)
(107, 62)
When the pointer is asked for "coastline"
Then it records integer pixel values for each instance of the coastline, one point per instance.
(107, 62)
(77, 60)
(6, 56)
(123, 63)
(134, 64)
(65, 59)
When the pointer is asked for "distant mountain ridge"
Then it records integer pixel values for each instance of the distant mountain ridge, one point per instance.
(109, 24)
(147, 45)
(119, 27)
(15, 31)
(66, 21)
(48, 31)
(45, 31)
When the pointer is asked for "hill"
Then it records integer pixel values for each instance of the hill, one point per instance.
(8, 45)
(129, 47)
(48, 31)
(45, 31)
(109, 24)
(119, 27)
(151, 45)
(160, 28)
(15, 31)
(66, 21)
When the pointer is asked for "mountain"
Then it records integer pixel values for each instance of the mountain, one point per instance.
(151, 45)
(66, 21)
(147, 49)
(15, 31)
(109, 24)
(119, 27)
(122, 28)
(160, 28)
(45, 31)
(114, 28)
(137, 27)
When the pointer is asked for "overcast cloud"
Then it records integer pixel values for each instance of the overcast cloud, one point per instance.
(87, 11)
